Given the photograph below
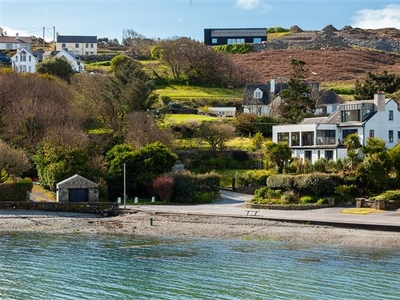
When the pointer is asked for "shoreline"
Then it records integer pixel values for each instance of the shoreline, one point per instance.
(188, 225)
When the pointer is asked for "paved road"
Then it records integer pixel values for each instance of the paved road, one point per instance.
(231, 204)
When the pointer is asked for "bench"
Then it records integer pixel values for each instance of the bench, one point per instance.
(253, 212)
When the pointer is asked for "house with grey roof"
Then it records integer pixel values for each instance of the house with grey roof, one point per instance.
(24, 61)
(258, 97)
(77, 44)
(323, 137)
(225, 36)
(14, 42)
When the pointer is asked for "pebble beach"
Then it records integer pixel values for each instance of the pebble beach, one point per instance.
(193, 226)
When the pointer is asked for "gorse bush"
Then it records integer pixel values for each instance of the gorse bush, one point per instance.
(235, 48)
(252, 178)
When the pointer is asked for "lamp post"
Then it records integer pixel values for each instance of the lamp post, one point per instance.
(124, 186)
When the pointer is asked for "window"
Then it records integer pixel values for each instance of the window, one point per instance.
(371, 133)
(30, 69)
(307, 155)
(257, 94)
(256, 40)
(390, 136)
(329, 154)
(214, 41)
(91, 45)
(29, 58)
(16, 58)
(283, 137)
(398, 135)
(295, 139)
(86, 52)
(76, 45)
(390, 115)
(23, 57)
(346, 132)
(87, 45)
(235, 41)
(63, 45)
(9, 46)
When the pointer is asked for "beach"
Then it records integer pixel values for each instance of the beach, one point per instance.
(142, 223)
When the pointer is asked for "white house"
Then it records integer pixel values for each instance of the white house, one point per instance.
(223, 111)
(14, 42)
(77, 44)
(24, 61)
(76, 64)
(323, 137)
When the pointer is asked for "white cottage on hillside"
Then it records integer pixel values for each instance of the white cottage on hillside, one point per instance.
(323, 137)
(24, 61)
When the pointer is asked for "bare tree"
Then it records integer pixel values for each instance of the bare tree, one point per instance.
(32, 105)
(138, 44)
(216, 134)
(13, 162)
(142, 129)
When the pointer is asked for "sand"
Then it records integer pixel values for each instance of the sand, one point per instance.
(191, 225)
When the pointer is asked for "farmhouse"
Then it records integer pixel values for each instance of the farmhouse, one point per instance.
(323, 137)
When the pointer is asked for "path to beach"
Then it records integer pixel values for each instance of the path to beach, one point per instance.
(232, 204)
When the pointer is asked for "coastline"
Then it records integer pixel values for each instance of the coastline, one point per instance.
(194, 226)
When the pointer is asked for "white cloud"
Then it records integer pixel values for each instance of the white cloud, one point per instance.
(248, 4)
(253, 4)
(388, 16)
(12, 32)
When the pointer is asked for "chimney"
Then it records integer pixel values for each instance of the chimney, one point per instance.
(272, 87)
(379, 100)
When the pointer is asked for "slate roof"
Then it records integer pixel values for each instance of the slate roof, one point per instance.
(76, 39)
(14, 39)
(329, 97)
(239, 32)
(248, 97)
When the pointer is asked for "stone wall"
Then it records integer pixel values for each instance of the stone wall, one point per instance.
(377, 204)
(104, 208)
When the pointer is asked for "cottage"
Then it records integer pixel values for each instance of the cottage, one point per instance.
(323, 137)
(24, 61)
(14, 42)
(77, 189)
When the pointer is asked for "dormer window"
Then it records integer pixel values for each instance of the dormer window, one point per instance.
(257, 94)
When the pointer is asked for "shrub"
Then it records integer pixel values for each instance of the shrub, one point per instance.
(307, 199)
(283, 182)
(163, 187)
(240, 156)
(195, 188)
(252, 178)
(316, 184)
(391, 195)
(345, 192)
(15, 191)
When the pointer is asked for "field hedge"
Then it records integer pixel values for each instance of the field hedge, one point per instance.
(15, 191)
(193, 188)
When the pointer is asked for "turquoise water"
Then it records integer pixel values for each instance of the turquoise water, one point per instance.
(40, 266)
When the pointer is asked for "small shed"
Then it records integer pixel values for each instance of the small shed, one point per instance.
(77, 189)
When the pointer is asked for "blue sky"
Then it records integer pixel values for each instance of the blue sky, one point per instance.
(188, 18)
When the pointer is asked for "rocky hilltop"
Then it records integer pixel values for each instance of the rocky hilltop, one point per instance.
(331, 55)
(386, 39)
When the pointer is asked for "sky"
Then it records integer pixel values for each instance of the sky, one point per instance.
(187, 18)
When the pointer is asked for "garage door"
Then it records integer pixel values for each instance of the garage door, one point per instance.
(78, 195)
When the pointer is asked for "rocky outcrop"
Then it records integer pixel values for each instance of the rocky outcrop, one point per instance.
(330, 38)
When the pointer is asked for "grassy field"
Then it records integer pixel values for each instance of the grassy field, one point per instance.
(183, 118)
(188, 92)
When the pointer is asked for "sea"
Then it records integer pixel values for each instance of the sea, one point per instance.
(82, 266)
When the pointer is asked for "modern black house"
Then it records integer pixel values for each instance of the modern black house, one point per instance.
(216, 37)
